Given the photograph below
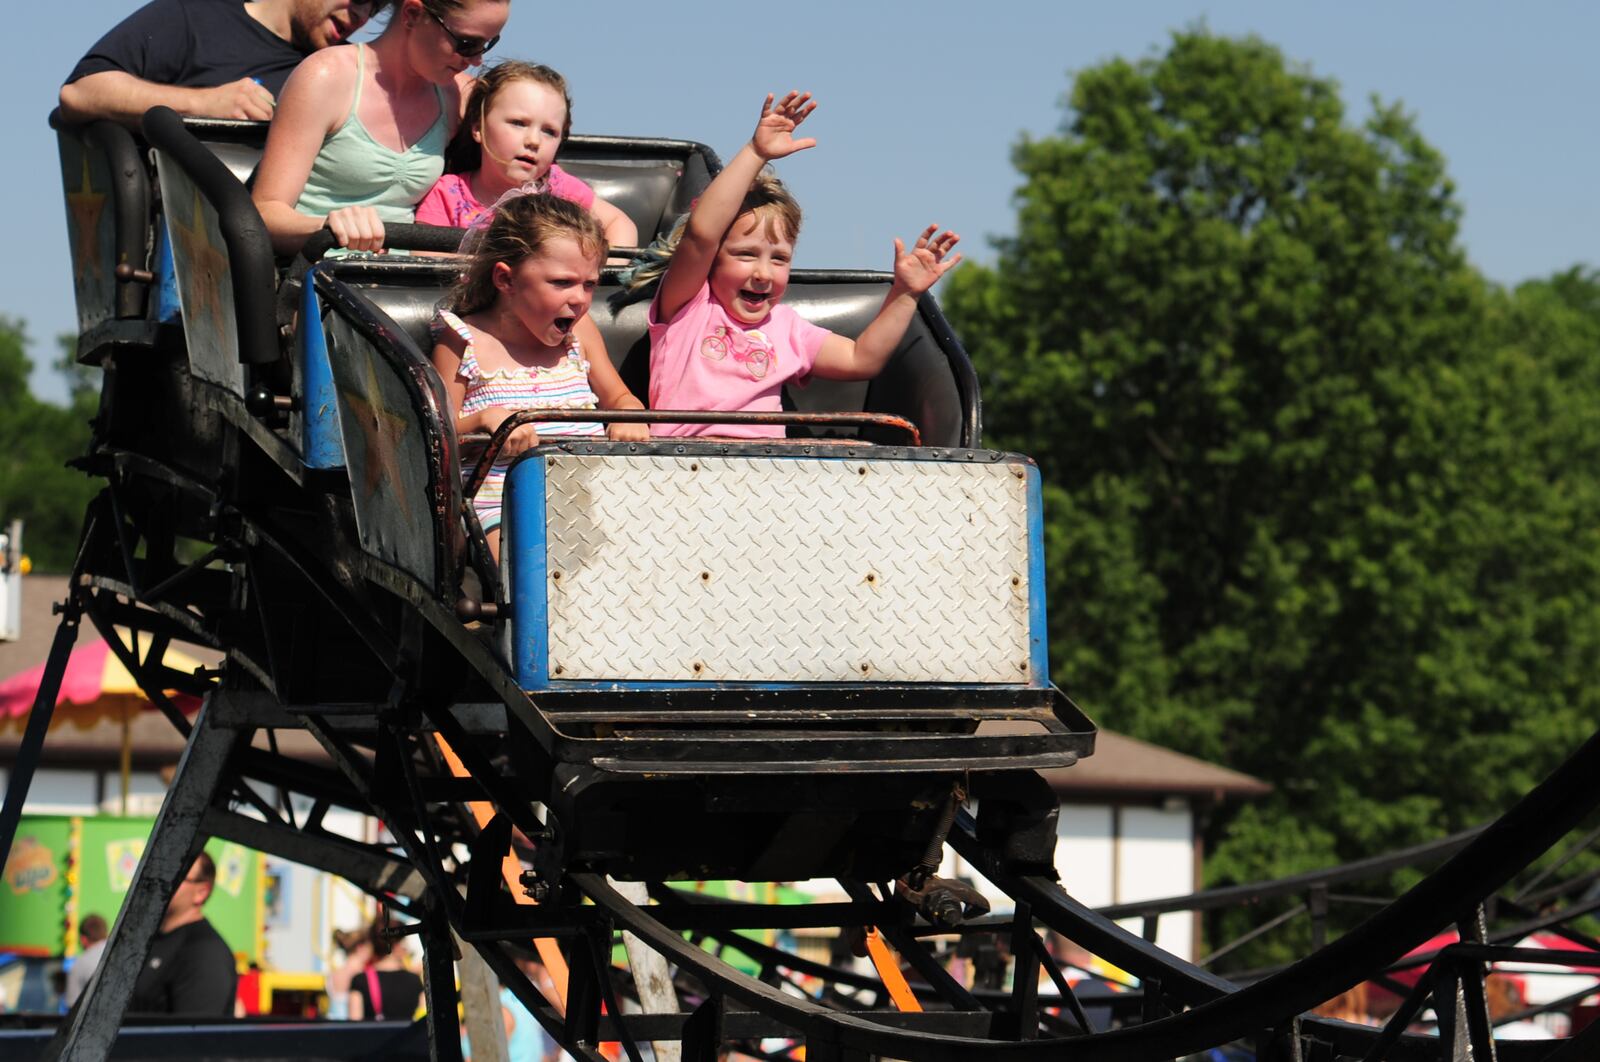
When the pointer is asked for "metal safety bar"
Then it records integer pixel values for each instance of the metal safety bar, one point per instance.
(497, 441)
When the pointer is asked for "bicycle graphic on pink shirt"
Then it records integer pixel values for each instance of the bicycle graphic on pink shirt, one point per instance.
(751, 348)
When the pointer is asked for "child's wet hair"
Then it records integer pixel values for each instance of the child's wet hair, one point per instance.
(768, 199)
(523, 227)
(464, 154)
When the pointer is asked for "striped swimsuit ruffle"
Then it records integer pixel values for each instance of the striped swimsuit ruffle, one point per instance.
(564, 385)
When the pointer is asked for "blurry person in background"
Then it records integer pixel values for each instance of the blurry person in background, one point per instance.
(92, 937)
(190, 969)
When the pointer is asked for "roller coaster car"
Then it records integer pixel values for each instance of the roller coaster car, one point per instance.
(694, 659)
(765, 660)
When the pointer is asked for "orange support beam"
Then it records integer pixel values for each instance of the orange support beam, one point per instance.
(511, 870)
(888, 965)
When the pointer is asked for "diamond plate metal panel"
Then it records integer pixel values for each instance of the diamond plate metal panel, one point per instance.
(751, 569)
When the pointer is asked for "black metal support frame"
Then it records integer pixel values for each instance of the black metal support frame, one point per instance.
(385, 763)
(91, 1028)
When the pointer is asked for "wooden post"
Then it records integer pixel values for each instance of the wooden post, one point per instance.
(480, 1000)
(651, 976)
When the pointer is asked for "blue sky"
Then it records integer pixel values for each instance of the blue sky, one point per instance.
(921, 103)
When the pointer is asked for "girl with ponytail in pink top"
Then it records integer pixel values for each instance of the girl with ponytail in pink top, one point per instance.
(517, 117)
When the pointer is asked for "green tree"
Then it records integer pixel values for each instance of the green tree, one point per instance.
(37, 438)
(1321, 502)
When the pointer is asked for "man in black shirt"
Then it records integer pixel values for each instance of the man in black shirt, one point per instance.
(190, 969)
(204, 58)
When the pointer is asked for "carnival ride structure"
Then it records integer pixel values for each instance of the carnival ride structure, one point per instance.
(696, 659)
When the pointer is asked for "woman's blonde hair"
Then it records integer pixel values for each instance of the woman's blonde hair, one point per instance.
(767, 199)
(523, 227)
(464, 154)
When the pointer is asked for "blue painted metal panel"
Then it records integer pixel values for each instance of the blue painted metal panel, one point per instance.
(1038, 628)
(522, 551)
(321, 444)
(167, 306)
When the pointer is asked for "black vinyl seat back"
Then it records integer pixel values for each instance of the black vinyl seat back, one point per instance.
(652, 181)
(649, 179)
(928, 380)
(111, 202)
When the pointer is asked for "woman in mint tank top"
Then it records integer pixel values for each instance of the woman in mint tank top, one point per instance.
(359, 133)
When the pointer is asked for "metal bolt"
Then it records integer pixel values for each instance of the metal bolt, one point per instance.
(698, 667)
(558, 670)
(556, 576)
(705, 577)
(536, 887)
(871, 578)
(694, 466)
(1016, 580)
(1022, 666)
(865, 668)
(862, 470)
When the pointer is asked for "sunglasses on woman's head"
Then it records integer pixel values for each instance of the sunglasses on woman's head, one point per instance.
(466, 47)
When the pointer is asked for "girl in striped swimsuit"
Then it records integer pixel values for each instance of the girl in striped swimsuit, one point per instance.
(506, 343)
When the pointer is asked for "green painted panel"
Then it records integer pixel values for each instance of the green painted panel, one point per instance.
(110, 854)
(34, 889)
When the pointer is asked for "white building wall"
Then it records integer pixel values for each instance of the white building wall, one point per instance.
(58, 791)
(146, 791)
(1156, 859)
(1085, 855)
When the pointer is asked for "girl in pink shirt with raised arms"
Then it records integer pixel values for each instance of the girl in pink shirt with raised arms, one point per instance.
(719, 339)
(517, 117)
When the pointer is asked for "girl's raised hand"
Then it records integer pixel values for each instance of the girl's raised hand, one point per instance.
(920, 268)
(774, 138)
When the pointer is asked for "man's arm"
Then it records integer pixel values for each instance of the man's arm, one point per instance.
(120, 96)
(140, 63)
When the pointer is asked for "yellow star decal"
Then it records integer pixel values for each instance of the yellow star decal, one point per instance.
(84, 207)
(207, 268)
(382, 432)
